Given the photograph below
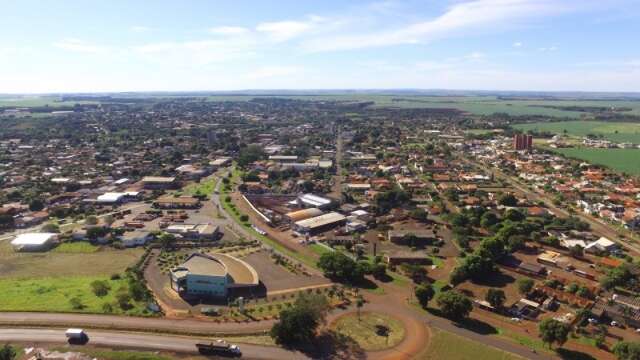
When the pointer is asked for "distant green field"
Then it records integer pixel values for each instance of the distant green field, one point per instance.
(614, 131)
(35, 101)
(622, 160)
(479, 105)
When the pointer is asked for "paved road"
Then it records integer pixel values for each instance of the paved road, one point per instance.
(141, 341)
(394, 303)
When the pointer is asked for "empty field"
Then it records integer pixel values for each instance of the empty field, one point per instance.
(70, 261)
(622, 160)
(56, 294)
(614, 131)
(444, 345)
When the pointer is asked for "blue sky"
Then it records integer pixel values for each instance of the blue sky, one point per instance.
(118, 45)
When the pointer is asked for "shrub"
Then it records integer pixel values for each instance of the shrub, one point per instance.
(100, 288)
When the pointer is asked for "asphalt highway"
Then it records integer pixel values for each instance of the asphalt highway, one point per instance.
(140, 341)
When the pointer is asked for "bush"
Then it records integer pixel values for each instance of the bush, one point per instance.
(76, 303)
(107, 308)
(244, 218)
(124, 301)
(100, 288)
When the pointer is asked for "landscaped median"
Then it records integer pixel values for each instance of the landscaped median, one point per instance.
(371, 331)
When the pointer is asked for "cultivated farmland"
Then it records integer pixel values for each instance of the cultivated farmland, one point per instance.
(614, 131)
(623, 160)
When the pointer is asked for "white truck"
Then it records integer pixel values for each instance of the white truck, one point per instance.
(76, 335)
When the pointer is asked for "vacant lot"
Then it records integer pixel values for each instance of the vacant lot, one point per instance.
(622, 160)
(62, 294)
(618, 132)
(369, 330)
(276, 277)
(72, 260)
(81, 247)
(444, 345)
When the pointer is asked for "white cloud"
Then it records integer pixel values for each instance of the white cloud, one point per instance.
(285, 30)
(547, 49)
(80, 46)
(228, 30)
(459, 19)
(517, 44)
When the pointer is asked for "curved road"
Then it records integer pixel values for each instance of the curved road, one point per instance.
(141, 341)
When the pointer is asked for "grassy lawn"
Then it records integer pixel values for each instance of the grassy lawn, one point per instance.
(55, 294)
(364, 331)
(77, 247)
(614, 131)
(622, 160)
(318, 249)
(205, 187)
(104, 262)
(444, 345)
(118, 354)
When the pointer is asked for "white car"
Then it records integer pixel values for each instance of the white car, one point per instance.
(516, 319)
(593, 321)
(615, 323)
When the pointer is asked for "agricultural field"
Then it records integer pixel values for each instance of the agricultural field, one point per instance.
(37, 101)
(444, 345)
(613, 131)
(478, 105)
(622, 160)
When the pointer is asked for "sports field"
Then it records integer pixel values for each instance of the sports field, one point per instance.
(622, 160)
(614, 131)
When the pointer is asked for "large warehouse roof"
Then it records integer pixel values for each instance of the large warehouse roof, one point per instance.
(321, 220)
(33, 239)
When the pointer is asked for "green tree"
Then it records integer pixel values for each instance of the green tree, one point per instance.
(339, 266)
(507, 200)
(166, 240)
(424, 293)
(298, 324)
(36, 205)
(525, 285)
(454, 305)
(51, 227)
(627, 350)
(495, 297)
(100, 288)
(553, 331)
(7, 352)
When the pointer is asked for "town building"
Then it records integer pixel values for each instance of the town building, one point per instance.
(34, 241)
(318, 224)
(212, 275)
